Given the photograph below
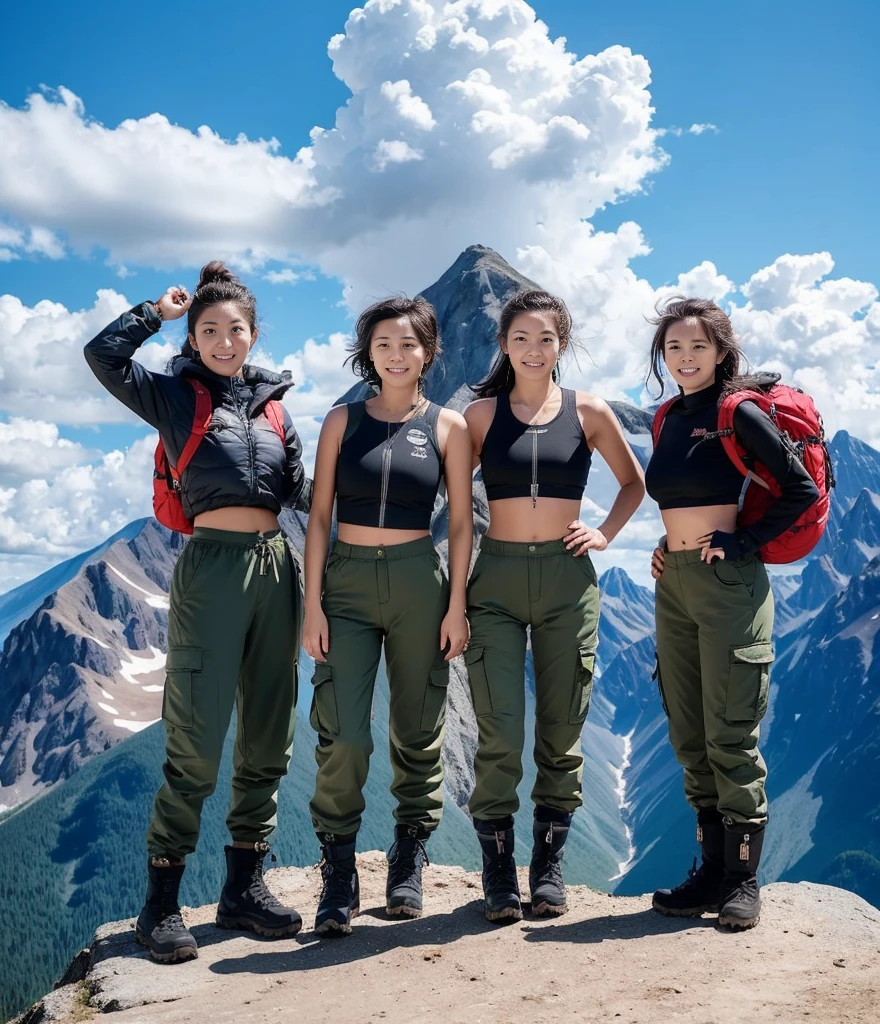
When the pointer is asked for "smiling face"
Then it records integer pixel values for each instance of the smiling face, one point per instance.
(533, 345)
(690, 355)
(397, 353)
(223, 338)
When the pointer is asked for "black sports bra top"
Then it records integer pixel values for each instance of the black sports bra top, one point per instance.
(547, 460)
(683, 471)
(387, 474)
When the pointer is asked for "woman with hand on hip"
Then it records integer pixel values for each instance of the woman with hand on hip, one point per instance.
(714, 605)
(534, 441)
(382, 587)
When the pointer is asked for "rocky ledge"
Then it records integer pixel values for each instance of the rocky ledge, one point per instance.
(815, 956)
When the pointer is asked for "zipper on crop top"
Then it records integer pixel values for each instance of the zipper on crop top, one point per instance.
(386, 473)
(534, 488)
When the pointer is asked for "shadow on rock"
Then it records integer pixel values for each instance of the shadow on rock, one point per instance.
(611, 928)
(364, 942)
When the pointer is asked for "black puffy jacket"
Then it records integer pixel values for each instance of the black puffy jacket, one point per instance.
(241, 460)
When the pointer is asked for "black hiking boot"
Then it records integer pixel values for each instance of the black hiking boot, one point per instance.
(545, 871)
(701, 891)
(340, 895)
(246, 902)
(740, 903)
(160, 927)
(500, 886)
(406, 858)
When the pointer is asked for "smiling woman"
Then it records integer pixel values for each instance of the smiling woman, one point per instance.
(714, 605)
(235, 475)
(382, 460)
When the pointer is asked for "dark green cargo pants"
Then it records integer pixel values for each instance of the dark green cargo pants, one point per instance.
(545, 587)
(396, 595)
(233, 637)
(714, 650)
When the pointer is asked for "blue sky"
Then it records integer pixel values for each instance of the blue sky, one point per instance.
(790, 89)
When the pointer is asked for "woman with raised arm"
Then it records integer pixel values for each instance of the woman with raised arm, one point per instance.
(534, 441)
(233, 622)
(714, 605)
(382, 462)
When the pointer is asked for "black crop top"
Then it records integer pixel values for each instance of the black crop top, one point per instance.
(547, 460)
(686, 473)
(387, 474)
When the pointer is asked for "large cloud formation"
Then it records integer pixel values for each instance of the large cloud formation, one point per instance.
(462, 115)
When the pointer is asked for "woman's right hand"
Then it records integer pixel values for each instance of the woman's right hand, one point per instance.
(316, 635)
(658, 563)
(174, 303)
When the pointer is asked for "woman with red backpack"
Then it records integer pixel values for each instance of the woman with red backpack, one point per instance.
(234, 621)
(714, 606)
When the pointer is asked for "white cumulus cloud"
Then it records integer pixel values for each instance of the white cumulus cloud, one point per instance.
(489, 126)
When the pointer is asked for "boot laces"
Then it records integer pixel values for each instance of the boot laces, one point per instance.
(336, 889)
(257, 889)
(503, 871)
(695, 876)
(169, 908)
(403, 868)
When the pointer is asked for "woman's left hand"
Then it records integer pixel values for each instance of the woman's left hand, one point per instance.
(454, 633)
(708, 554)
(584, 538)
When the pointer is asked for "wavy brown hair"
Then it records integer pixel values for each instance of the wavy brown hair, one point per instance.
(715, 322)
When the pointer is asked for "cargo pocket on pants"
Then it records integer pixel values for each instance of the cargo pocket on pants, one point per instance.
(324, 716)
(583, 688)
(177, 699)
(478, 680)
(748, 685)
(434, 704)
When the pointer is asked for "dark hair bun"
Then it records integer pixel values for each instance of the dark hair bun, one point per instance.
(215, 271)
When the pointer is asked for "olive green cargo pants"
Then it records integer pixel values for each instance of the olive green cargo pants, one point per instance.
(714, 650)
(396, 595)
(543, 586)
(233, 637)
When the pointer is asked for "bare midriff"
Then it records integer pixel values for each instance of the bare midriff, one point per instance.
(685, 525)
(374, 537)
(516, 519)
(239, 519)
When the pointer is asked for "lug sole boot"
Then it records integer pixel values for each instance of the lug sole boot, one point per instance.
(246, 903)
(406, 858)
(340, 894)
(741, 896)
(500, 886)
(545, 871)
(700, 892)
(159, 926)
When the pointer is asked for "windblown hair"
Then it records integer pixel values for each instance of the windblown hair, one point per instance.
(216, 284)
(719, 330)
(424, 322)
(501, 375)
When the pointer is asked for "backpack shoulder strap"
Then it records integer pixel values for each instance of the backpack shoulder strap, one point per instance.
(355, 415)
(275, 415)
(201, 422)
(726, 411)
(659, 417)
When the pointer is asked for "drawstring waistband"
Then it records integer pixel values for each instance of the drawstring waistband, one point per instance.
(263, 551)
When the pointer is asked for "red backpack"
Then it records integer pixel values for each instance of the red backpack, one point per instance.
(167, 505)
(798, 420)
